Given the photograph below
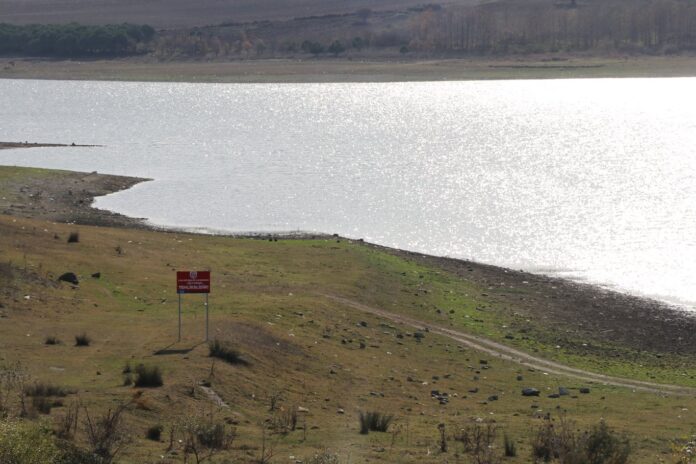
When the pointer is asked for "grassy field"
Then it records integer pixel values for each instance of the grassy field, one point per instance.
(269, 300)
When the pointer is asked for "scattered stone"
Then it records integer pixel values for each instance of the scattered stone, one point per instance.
(563, 391)
(96, 275)
(473, 390)
(520, 378)
(302, 409)
(584, 390)
(362, 324)
(340, 411)
(530, 392)
(483, 362)
(554, 395)
(69, 277)
(493, 398)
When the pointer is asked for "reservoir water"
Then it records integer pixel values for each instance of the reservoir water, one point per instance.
(593, 179)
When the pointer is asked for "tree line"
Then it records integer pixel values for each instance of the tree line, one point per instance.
(69, 40)
(661, 26)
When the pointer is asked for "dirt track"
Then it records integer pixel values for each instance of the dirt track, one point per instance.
(511, 354)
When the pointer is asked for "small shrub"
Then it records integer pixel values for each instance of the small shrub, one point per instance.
(224, 351)
(51, 340)
(82, 340)
(205, 436)
(599, 445)
(324, 458)
(46, 389)
(285, 421)
(154, 433)
(127, 380)
(374, 421)
(74, 237)
(41, 404)
(148, 376)
(510, 448)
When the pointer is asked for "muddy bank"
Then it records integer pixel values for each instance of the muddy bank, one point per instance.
(573, 312)
(64, 196)
(586, 319)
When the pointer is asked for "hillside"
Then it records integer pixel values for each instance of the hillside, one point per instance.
(184, 13)
(327, 328)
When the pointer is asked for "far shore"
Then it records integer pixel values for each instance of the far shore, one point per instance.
(13, 145)
(348, 70)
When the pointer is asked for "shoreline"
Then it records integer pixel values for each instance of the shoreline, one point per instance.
(572, 310)
(347, 70)
(15, 145)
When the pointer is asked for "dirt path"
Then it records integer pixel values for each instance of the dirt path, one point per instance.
(511, 354)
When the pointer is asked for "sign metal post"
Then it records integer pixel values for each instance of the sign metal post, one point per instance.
(193, 282)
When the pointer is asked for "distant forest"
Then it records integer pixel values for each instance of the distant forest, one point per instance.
(498, 28)
(74, 40)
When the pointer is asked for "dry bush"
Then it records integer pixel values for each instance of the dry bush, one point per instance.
(285, 421)
(559, 442)
(106, 433)
(202, 438)
(374, 421)
(479, 441)
(148, 376)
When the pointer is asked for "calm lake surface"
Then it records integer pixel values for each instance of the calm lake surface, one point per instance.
(591, 179)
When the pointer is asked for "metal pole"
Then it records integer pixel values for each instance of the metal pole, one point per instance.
(179, 316)
(206, 317)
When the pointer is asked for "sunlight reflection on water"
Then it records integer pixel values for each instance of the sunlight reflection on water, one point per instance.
(589, 179)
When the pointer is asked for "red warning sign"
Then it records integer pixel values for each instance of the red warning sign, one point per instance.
(193, 281)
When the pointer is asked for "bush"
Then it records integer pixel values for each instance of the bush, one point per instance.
(46, 389)
(148, 376)
(510, 448)
(374, 421)
(82, 340)
(27, 443)
(324, 458)
(51, 340)
(336, 48)
(154, 433)
(222, 350)
(205, 436)
(74, 237)
(314, 48)
(599, 445)
(41, 404)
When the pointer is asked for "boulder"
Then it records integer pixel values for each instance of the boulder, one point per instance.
(69, 277)
(530, 392)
